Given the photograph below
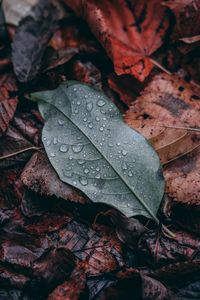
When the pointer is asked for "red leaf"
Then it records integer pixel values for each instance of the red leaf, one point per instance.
(130, 31)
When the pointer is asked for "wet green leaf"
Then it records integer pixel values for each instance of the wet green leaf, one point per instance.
(91, 148)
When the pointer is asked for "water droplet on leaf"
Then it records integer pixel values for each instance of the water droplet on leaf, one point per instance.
(64, 148)
(101, 103)
(61, 122)
(124, 166)
(130, 174)
(77, 148)
(89, 106)
(124, 152)
(81, 161)
(83, 181)
(55, 140)
(86, 171)
(67, 173)
(48, 143)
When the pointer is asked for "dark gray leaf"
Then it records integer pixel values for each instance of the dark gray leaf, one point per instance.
(31, 39)
(91, 148)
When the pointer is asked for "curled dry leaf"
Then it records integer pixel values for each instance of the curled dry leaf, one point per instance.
(169, 101)
(130, 31)
(39, 176)
(8, 103)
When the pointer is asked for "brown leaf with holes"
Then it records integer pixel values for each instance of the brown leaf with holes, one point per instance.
(8, 103)
(129, 30)
(169, 101)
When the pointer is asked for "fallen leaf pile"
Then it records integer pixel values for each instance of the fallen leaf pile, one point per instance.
(72, 226)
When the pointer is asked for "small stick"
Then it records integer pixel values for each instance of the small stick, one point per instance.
(158, 65)
(20, 151)
(169, 232)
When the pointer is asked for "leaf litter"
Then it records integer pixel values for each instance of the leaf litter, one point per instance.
(55, 242)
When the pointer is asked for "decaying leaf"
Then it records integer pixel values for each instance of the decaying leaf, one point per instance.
(160, 250)
(87, 73)
(8, 103)
(190, 291)
(169, 101)
(130, 31)
(181, 270)
(187, 18)
(133, 282)
(39, 176)
(126, 86)
(31, 39)
(14, 148)
(91, 148)
(73, 288)
(128, 230)
(54, 266)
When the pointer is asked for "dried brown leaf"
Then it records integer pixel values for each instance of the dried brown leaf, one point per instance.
(169, 101)
(39, 176)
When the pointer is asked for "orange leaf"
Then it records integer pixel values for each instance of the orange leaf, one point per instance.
(129, 30)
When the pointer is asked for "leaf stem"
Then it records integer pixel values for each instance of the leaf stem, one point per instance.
(169, 232)
(180, 127)
(20, 151)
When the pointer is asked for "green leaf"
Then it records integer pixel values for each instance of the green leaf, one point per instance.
(91, 148)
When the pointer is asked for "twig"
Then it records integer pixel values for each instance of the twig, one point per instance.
(157, 64)
(20, 151)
